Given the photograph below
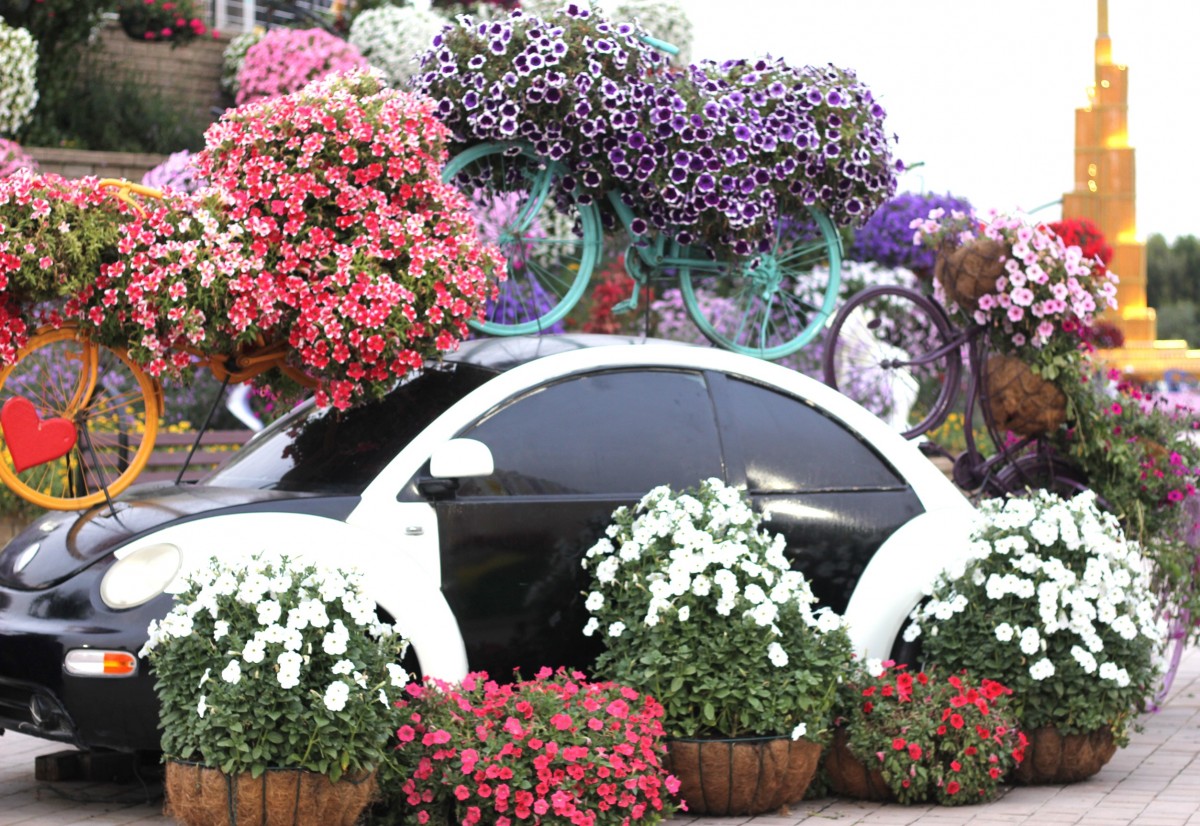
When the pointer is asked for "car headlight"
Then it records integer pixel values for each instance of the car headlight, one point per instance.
(140, 576)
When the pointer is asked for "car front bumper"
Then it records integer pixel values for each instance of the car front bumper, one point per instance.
(40, 698)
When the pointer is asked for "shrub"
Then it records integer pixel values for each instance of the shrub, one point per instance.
(18, 78)
(161, 21)
(934, 737)
(391, 38)
(286, 60)
(554, 749)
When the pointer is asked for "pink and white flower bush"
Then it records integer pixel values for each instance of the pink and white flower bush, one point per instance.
(286, 60)
(1049, 295)
(326, 226)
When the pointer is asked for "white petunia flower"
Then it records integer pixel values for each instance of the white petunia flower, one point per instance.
(202, 706)
(232, 673)
(269, 612)
(799, 731)
(590, 628)
(336, 695)
(1041, 669)
(594, 602)
(777, 655)
(1004, 632)
(343, 667)
(616, 629)
(398, 677)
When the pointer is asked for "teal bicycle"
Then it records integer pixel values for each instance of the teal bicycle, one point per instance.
(769, 304)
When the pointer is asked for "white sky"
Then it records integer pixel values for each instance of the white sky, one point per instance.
(985, 93)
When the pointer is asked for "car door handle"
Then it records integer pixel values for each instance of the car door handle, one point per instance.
(414, 530)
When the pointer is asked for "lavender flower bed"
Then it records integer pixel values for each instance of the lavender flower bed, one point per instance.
(711, 157)
(887, 238)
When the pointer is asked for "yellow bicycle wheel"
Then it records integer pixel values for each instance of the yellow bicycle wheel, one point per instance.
(77, 421)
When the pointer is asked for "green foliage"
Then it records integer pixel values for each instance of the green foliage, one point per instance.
(267, 662)
(1139, 454)
(1056, 604)
(1172, 270)
(115, 114)
(699, 608)
(63, 30)
(1178, 319)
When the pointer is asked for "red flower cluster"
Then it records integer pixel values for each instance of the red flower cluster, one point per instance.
(1083, 233)
(932, 738)
(327, 226)
(553, 748)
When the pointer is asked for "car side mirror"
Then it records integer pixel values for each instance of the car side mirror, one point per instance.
(454, 460)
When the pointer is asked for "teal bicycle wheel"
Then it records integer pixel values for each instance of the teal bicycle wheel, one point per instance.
(522, 203)
(771, 304)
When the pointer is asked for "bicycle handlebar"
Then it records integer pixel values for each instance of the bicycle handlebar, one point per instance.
(661, 45)
(125, 188)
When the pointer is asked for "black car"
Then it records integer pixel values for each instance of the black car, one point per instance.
(469, 495)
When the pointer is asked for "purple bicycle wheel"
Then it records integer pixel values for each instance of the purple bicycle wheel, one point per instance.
(889, 349)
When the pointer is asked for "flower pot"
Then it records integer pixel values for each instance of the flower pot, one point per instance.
(204, 796)
(746, 776)
(969, 271)
(1020, 400)
(1052, 757)
(850, 777)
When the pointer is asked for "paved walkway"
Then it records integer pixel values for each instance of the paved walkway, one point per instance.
(1153, 782)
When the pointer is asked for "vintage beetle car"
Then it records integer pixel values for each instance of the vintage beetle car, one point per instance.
(469, 495)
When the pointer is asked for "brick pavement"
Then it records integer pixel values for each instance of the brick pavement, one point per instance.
(1155, 781)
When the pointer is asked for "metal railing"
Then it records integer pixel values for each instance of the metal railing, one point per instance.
(235, 16)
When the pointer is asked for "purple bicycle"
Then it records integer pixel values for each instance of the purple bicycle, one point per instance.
(895, 351)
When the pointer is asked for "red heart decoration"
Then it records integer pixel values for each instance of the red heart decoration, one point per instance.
(32, 440)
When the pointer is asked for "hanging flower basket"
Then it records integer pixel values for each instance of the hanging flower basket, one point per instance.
(1020, 400)
(203, 796)
(744, 776)
(849, 777)
(969, 271)
(1052, 758)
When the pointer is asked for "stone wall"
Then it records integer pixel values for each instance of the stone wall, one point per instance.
(79, 163)
(187, 75)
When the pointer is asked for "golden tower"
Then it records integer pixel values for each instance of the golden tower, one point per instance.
(1105, 193)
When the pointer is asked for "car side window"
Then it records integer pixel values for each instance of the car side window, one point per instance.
(791, 446)
(620, 432)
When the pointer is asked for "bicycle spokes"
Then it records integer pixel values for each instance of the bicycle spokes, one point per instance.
(523, 205)
(98, 410)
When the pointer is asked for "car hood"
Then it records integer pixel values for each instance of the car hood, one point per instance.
(59, 544)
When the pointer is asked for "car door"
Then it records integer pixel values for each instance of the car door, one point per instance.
(566, 454)
(830, 493)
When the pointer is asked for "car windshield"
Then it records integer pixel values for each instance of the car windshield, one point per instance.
(317, 450)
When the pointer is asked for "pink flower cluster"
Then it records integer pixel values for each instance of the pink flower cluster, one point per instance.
(1049, 289)
(51, 232)
(285, 60)
(553, 749)
(326, 226)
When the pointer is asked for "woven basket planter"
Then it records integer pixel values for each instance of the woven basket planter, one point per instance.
(203, 796)
(969, 271)
(1056, 758)
(849, 777)
(742, 777)
(1020, 400)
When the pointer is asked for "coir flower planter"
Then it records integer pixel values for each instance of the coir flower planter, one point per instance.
(200, 795)
(850, 777)
(1052, 757)
(969, 271)
(743, 776)
(1020, 400)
